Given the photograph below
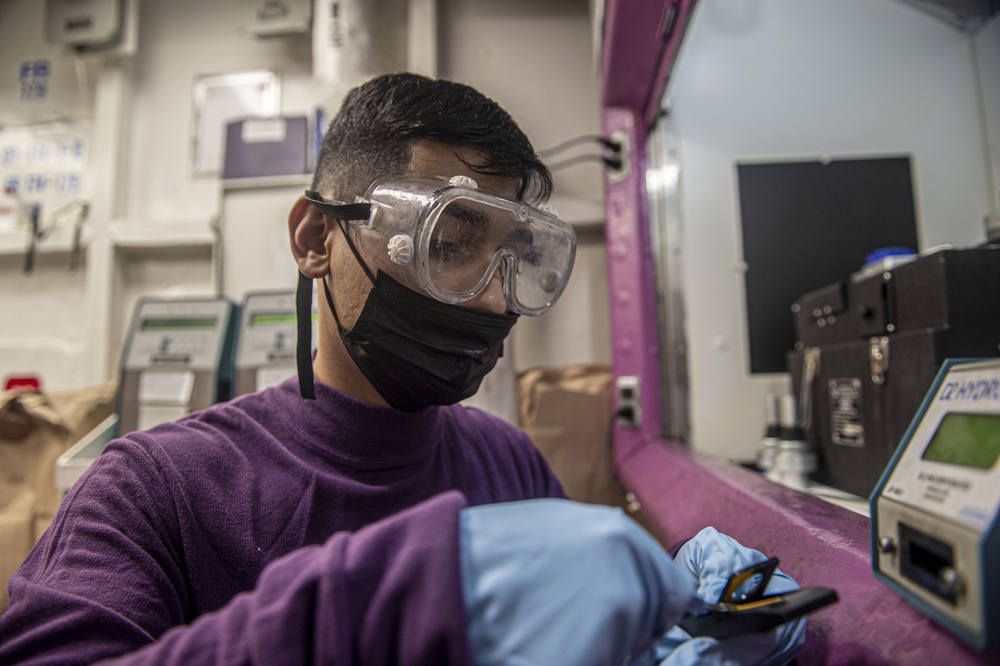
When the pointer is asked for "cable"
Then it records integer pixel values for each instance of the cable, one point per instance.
(611, 162)
(577, 140)
(612, 159)
(633, 505)
(34, 212)
(82, 82)
(38, 233)
(76, 251)
(82, 211)
(215, 226)
(610, 464)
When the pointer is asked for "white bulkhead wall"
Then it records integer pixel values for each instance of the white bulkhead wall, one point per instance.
(803, 79)
(987, 51)
(153, 225)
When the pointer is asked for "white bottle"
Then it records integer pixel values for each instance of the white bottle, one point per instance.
(772, 437)
(795, 460)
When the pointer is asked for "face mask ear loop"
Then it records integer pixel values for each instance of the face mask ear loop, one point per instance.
(303, 300)
(354, 251)
(364, 267)
(303, 345)
(333, 310)
(326, 287)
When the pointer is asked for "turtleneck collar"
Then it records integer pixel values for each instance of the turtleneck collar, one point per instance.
(344, 427)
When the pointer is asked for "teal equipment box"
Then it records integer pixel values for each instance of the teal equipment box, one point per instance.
(266, 340)
(177, 360)
(935, 532)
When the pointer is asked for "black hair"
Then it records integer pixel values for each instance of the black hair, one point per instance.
(372, 135)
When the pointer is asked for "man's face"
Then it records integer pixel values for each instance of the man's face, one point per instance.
(429, 159)
(350, 286)
(322, 252)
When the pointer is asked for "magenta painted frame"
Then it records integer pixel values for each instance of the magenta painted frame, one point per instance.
(681, 492)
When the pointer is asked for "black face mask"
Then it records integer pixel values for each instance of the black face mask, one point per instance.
(417, 351)
(414, 350)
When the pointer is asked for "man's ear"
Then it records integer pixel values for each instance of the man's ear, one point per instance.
(307, 233)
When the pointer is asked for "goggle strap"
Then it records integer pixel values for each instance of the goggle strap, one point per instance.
(356, 211)
(339, 211)
(303, 348)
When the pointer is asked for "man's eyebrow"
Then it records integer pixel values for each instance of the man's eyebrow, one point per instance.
(467, 214)
(520, 235)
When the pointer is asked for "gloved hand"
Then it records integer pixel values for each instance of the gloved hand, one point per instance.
(557, 582)
(709, 559)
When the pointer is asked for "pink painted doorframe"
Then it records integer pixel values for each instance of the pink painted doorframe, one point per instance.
(681, 492)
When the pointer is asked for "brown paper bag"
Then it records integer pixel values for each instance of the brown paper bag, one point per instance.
(567, 413)
(35, 429)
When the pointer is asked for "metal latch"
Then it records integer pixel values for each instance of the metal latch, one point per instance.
(810, 369)
(878, 358)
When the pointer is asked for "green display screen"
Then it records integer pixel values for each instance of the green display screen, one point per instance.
(178, 324)
(276, 318)
(272, 318)
(972, 440)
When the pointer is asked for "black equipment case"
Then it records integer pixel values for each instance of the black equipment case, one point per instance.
(880, 342)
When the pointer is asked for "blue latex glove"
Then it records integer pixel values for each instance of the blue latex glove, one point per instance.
(557, 582)
(709, 559)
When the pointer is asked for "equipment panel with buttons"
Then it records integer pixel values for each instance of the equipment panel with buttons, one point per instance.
(935, 531)
(267, 339)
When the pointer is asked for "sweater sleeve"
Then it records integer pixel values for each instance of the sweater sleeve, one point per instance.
(100, 587)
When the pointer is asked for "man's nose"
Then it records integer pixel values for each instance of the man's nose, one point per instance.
(492, 299)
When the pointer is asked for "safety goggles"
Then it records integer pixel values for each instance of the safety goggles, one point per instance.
(448, 238)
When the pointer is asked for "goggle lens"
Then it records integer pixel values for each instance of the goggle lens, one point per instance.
(449, 241)
(469, 241)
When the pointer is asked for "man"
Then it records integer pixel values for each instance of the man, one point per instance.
(336, 519)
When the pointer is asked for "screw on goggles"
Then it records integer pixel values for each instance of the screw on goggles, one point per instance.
(448, 239)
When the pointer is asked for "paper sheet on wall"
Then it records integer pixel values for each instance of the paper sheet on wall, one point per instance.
(42, 164)
(222, 98)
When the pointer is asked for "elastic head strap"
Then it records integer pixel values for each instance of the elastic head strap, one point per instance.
(338, 210)
(344, 212)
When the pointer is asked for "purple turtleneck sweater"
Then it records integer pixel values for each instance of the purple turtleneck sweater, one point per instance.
(270, 530)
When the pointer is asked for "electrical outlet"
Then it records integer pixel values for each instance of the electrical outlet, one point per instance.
(629, 404)
(622, 171)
